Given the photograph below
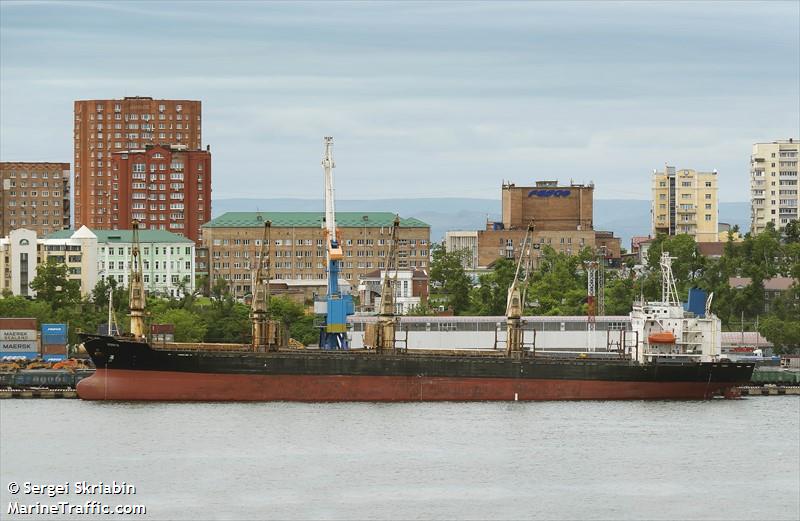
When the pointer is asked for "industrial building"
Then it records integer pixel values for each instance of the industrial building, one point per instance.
(685, 202)
(773, 184)
(102, 127)
(561, 216)
(298, 249)
(34, 196)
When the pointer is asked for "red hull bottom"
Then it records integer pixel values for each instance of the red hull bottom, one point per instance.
(115, 384)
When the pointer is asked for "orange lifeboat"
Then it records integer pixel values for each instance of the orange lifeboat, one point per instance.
(665, 337)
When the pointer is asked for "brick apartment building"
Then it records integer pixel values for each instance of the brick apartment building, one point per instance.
(34, 196)
(165, 187)
(562, 216)
(298, 248)
(103, 127)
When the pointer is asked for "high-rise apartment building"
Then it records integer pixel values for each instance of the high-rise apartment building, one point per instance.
(685, 201)
(34, 196)
(773, 184)
(163, 187)
(103, 127)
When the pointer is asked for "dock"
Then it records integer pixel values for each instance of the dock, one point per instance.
(37, 393)
(770, 390)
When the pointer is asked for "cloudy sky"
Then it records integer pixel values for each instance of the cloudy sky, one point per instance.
(423, 99)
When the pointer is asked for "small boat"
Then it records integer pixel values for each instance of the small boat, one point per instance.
(664, 337)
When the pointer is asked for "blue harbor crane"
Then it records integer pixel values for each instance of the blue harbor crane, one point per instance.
(333, 332)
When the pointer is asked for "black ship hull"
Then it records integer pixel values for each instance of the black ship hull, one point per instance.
(130, 370)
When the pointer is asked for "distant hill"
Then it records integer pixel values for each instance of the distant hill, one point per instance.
(625, 217)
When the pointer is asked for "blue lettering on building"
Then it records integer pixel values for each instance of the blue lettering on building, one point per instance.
(549, 193)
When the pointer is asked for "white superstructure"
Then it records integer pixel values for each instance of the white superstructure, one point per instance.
(667, 332)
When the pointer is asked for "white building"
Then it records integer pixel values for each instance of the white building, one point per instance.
(773, 184)
(411, 289)
(463, 240)
(168, 260)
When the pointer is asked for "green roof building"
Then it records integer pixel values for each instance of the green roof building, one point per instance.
(297, 249)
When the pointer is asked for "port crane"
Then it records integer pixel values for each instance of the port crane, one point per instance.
(516, 299)
(381, 335)
(136, 299)
(333, 332)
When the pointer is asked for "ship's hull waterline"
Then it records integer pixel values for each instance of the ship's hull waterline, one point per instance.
(129, 370)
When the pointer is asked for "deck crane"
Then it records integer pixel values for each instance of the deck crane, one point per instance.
(136, 300)
(516, 299)
(333, 333)
(381, 335)
(265, 331)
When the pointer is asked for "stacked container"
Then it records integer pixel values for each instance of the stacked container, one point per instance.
(162, 332)
(18, 338)
(54, 342)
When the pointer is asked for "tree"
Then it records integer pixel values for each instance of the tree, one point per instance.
(791, 232)
(189, 327)
(52, 284)
(490, 297)
(449, 277)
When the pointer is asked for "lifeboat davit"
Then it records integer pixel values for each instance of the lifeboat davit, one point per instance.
(664, 337)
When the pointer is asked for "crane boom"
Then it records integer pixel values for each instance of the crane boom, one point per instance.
(516, 299)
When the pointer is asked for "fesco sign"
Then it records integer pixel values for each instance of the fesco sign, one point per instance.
(548, 193)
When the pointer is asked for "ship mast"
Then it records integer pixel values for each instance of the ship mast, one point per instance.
(136, 287)
(387, 321)
(260, 304)
(516, 299)
(669, 293)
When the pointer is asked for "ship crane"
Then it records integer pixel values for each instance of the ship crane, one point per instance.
(381, 335)
(516, 299)
(333, 333)
(136, 299)
(265, 331)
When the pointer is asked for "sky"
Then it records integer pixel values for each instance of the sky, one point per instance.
(435, 99)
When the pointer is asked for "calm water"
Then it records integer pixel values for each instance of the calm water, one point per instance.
(592, 460)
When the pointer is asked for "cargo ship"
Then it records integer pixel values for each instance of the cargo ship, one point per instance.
(673, 354)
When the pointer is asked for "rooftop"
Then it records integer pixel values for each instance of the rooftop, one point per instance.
(309, 220)
(120, 236)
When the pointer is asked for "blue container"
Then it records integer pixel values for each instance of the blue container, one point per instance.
(54, 358)
(55, 329)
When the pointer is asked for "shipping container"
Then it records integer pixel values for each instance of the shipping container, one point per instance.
(54, 358)
(54, 349)
(166, 337)
(19, 349)
(13, 335)
(162, 329)
(18, 323)
(54, 329)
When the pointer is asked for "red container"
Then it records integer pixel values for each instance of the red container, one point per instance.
(18, 323)
(162, 329)
(54, 349)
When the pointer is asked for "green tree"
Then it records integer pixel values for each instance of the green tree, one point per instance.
(449, 278)
(189, 327)
(491, 295)
(52, 284)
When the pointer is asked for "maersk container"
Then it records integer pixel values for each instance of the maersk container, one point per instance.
(13, 335)
(15, 349)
